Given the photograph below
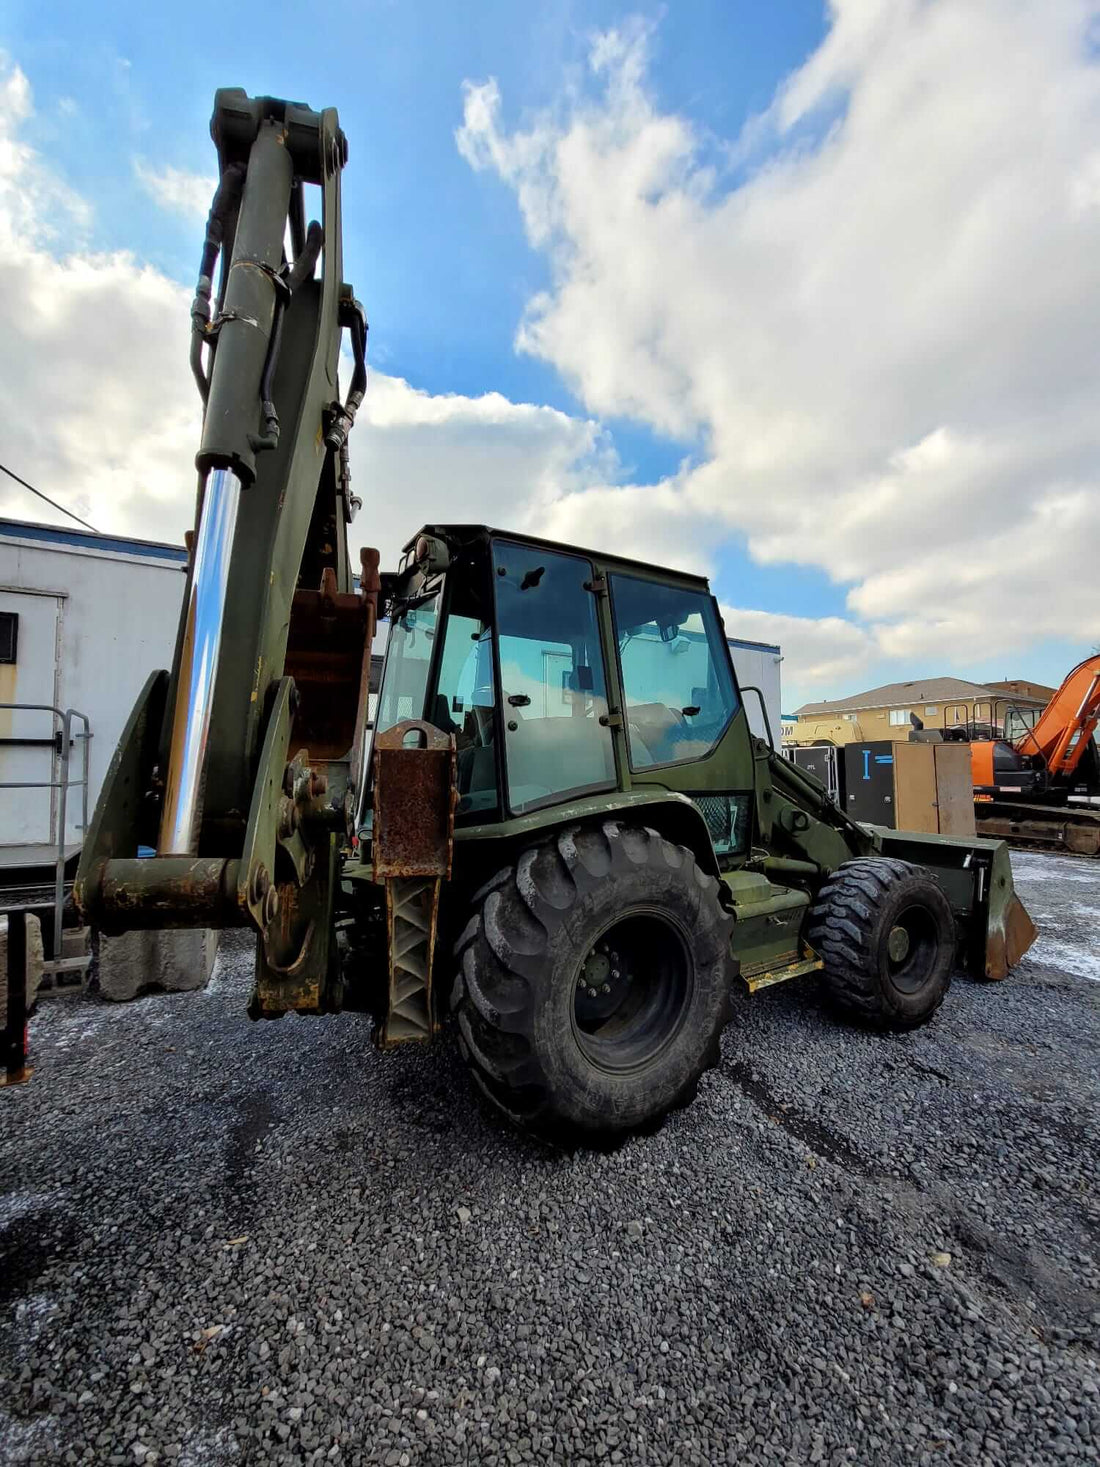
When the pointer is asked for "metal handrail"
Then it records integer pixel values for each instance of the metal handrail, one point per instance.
(66, 717)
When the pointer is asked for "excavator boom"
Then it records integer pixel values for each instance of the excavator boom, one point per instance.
(1067, 722)
(1022, 789)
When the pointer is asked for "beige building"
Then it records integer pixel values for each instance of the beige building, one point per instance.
(939, 702)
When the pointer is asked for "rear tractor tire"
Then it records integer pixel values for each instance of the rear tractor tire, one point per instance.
(594, 982)
(887, 935)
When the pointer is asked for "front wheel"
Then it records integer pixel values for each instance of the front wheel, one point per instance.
(594, 982)
(887, 935)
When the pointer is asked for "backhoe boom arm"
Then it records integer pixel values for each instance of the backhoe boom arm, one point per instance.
(242, 753)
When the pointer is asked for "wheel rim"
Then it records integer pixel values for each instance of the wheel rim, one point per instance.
(632, 991)
(910, 949)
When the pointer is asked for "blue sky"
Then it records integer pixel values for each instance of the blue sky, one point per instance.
(437, 251)
(448, 262)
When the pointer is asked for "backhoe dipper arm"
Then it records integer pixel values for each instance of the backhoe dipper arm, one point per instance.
(272, 639)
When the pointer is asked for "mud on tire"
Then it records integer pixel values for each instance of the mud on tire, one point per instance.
(594, 981)
(887, 935)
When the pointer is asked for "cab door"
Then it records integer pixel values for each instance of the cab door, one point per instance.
(553, 688)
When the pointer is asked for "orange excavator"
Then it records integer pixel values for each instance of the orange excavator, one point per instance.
(1034, 785)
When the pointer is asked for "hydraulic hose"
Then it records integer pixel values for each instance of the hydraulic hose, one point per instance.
(301, 271)
(226, 198)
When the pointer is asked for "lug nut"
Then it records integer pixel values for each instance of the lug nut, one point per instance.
(591, 993)
(606, 988)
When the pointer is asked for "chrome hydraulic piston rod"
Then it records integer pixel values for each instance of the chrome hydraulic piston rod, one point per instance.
(202, 639)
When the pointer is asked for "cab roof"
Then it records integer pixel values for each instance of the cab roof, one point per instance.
(470, 534)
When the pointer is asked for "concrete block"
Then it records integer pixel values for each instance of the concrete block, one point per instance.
(166, 961)
(34, 961)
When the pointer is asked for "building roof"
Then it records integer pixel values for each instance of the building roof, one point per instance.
(910, 694)
(86, 540)
(1023, 688)
(754, 646)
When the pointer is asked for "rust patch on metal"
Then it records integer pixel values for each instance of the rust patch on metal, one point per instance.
(167, 891)
(328, 646)
(414, 801)
(412, 844)
(1009, 939)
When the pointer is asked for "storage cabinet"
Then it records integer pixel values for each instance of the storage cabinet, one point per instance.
(915, 786)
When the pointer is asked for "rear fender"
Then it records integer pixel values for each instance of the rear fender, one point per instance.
(671, 814)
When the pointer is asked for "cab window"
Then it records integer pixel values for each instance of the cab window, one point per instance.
(463, 706)
(408, 659)
(553, 692)
(677, 686)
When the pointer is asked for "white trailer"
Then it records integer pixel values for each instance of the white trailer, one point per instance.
(84, 619)
(757, 666)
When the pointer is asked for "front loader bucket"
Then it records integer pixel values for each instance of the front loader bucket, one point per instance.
(1009, 931)
(976, 877)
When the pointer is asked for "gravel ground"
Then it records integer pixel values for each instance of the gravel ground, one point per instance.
(232, 1243)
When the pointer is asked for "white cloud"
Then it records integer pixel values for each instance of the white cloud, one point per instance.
(883, 334)
(99, 409)
(823, 651)
(420, 459)
(90, 373)
(176, 189)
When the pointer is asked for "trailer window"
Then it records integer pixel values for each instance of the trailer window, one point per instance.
(9, 635)
(677, 683)
(553, 692)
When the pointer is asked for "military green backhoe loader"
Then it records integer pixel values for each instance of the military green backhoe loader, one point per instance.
(556, 832)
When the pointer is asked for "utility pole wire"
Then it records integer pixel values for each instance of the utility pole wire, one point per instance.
(48, 500)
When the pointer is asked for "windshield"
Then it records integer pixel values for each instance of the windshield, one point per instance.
(408, 658)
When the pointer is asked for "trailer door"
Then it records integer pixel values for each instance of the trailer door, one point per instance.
(30, 626)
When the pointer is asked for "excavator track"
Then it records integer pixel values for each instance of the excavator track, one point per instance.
(1071, 830)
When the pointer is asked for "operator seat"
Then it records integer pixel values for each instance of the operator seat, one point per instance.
(660, 735)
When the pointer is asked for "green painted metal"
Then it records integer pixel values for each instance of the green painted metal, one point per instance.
(270, 852)
(277, 853)
(278, 507)
(767, 933)
(976, 877)
(671, 812)
(123, 819)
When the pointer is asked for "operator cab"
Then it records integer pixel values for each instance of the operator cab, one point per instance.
(562, 674)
